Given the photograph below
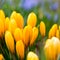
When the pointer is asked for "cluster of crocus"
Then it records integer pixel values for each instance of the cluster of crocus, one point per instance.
(52, 48)
(17, 36)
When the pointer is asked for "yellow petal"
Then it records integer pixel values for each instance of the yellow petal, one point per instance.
(48, 48)
(18, 34)
(1, 57)
(32, 19)
(9, 41)
(20, 49)
(1, 28)
(42, 28)
(6, 23)
(57, 34)
(32, 56)
(12, 26)
(34, 35)
(2, 15)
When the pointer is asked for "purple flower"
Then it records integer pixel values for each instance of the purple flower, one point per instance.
(48, 15)
(55, 17)
(28, 4)
(54, 6)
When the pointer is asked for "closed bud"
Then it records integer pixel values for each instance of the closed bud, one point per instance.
(18, 18)
(12, 26)
(1, 57)
(20, 49)
(27, 34)
(53, 30)
(32, 56)
(34, 35)
(32, 19)
(9, 41)
(2, 15)
(42, 28)
(6, 23)
(1, 28)
(18, 34)
(57, 34)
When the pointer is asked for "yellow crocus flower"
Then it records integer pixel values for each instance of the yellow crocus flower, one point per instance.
(27, 34)
(32, 19)
(51, 48)
(1, 28)
(9, 41)
(53, 30)
(6, 23)
(12, 26)
(1, 57)
(18, 34)
(42, 28)
(18, 18)
(20, 49)
(32, 56)
(34, 35)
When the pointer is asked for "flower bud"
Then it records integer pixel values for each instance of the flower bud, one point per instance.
(42, 28)
(9, 41)
(34, 35)
(20, 49)
(6, 23)
(12, 26)
(32, 19)
(53, 30)
(26, 34)
(18, 34)
(18, 18)
(32, 56)
(2, 15)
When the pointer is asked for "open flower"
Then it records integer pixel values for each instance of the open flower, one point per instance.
(42, 28)
(32, 19)
(32, 56)
(20, 49)
(51, 48)
(9, 41)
